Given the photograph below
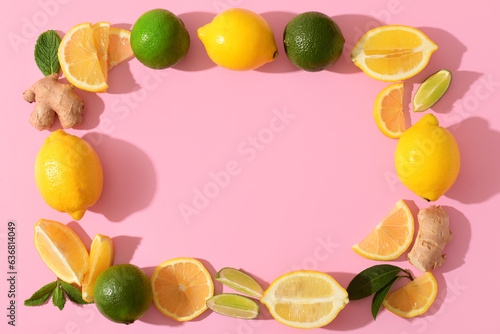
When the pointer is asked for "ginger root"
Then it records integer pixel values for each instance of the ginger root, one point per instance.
(53, 97)
(433, 235)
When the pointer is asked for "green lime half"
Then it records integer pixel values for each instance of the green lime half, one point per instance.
(240, 282)
(431, 90)
(233, 305)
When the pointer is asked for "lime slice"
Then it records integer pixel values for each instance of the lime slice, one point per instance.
(240, 282)
(233, 305)
(431, 90)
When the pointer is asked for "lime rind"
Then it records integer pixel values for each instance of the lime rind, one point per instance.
(234, 305)
(431, 90)
(240, 281)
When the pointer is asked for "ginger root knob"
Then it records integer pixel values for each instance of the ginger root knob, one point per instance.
(53, 97)
(433, 235)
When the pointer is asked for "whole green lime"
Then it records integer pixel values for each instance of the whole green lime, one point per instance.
(159, 39)
(123, 293)
(313, 41)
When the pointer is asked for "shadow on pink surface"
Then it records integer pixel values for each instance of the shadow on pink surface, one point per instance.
(129, 177)
(278, 21)
(124, 248)
(478, 177)
(197, 58)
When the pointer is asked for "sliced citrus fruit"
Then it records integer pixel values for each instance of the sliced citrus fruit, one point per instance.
(101, 40)
(305, 299)
(119, 46)
(181, 288)
(393, 53)
(431, 90)
(62, 250)
(233, 305)
(79, 60)
(391, 237)
(414, 298)
(101, 258)
(240, 281)
(388, 111)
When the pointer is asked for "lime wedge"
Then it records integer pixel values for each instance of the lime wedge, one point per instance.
(233, 305)
(431, 90)
(240, 282)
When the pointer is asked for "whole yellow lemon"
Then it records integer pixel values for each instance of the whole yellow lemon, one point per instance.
(427, 158)
(68, 174)
(239, 39)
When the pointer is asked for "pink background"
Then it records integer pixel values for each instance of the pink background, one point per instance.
(311, 188)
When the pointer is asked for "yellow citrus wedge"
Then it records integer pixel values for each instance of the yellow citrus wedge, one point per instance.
(305, 299)
(181, 288)
(414, 298)
(101, 40)
(62, 250)
(119, 46)
(79, 59)
(391, 237)
(101, 258)
(388, 111)
(393, 53)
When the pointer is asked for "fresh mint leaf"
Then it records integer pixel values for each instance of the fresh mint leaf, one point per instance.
(73, 293)
(58, 296)
(370, 280)
(40, 296)
(380, 295)
(46, 48)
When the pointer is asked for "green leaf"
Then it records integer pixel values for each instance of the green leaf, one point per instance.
(46, 48)
(40, 296)
(58, 296)
(370, 280)
(380, 295)
(73, 293)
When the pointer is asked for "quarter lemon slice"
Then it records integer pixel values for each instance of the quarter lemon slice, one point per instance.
(431, 90)
(100, 31)
(393, 53)
(305, 299)
(391, 237)
(79, 59)
(388, 111)
(101, 258)
(414, 298)
(62, 250)
(119, 46)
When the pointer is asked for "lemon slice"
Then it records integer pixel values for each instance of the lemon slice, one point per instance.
(181, 288)
(100, 31)
(62, 250)
(414, 298)
(431, 90)
(393, 53)
(119, 46)
(391, 237)
(101, 258)
(79, 59)
(388, 111)
(233, 305)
